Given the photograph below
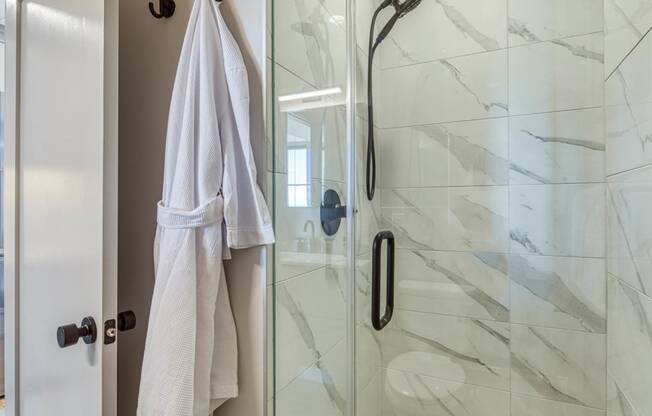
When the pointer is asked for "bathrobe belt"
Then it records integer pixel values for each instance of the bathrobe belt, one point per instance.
(210, 212)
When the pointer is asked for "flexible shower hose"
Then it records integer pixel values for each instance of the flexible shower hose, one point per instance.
(401, 9)
(371, 150)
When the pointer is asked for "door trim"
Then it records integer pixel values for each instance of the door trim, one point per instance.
(12, 200)
(110, 202)
(11, 212)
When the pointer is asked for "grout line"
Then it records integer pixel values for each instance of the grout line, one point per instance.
(509, 214)
(617, 67)
(608, 376)
(611, 178)
(508, 323)
(500, 185)
(621, 281)
(545, 399)
(385, 369)
(506, 116)
(503, 49)
(294, 74)
(302, 274)
(308, 367)
(554, 328)
(502, 253)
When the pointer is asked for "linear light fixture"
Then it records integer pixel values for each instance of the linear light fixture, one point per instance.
(309, 94)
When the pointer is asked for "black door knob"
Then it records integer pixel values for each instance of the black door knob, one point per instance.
(68, 335)
(126, 320)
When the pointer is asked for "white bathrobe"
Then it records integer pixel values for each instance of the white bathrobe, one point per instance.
(211, 203)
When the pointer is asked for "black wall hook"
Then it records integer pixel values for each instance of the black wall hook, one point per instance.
(166, 8)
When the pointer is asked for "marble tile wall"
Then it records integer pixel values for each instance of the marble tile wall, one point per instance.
(628, 116)
(628, 94)
(492, 171)
(497, 122)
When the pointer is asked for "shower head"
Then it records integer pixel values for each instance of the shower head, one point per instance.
(400, 10)
(406, 7)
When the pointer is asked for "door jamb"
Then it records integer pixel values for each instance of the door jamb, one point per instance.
(11, 204)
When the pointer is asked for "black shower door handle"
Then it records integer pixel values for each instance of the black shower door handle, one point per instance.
(377, 321)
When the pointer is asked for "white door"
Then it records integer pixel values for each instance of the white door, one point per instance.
(61, 204)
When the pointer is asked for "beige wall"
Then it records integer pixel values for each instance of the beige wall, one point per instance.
(149, 50)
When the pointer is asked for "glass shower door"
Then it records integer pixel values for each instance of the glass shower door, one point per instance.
(513, 171)
(310, 172)
(490, 141)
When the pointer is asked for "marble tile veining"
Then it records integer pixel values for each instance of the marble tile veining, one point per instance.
(368, 355)
(626, 21)
(628, 111)
(532, 21)
(453, 154)
(530, 406)
(462, 284)
(310, 43)
(558, 220)
(617, 403)
(309, 325)
(418, 395)
(464, 88)
(463, 219)
(362, 287)
(320, 390)
(630, 228)
(369, 399)
(558, 292)
(448, 347)
(565, 366)
(556, 75)
(446, 29)
(560, 147)
(629, 347)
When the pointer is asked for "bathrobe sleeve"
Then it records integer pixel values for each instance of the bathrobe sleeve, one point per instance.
(247, 219)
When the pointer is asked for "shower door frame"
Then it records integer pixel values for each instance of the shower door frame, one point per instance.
(352, 210)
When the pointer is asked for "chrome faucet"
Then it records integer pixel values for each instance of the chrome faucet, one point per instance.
(312, 228)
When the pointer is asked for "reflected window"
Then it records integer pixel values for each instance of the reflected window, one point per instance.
(298, 161)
